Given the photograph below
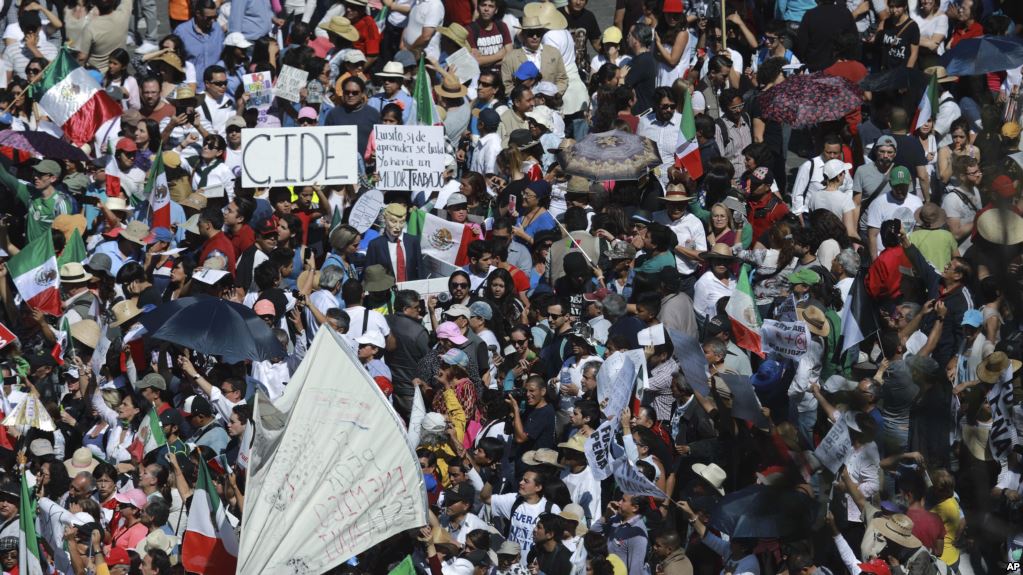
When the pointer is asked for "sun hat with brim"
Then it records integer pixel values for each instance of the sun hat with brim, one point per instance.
(10, 491)
(545, 88)
(174, 61)
(458, 310)
(136, 232)
(575, 443)
(342, 27)
(543, 116)
(68, 223)
(456, 33)
(814, 319)
(450, 87)
(116, 204)
(718, 252)
(372, 337)
(940, 74)
(900, 176)
(712, 474)
(522, 139)
(531, 23)
(86, 332)
(994, 365)
(1000, 226)
(542, 456)
(898, 529)
(676, 193)
(450, 331)
(509, 548)
(125, 311)
(804, 276)
(392, 70)
(40, 447)
(74, 273)
(574, 512)
(156, 539)
(194, 201)
(81, 460)
(99, 263)
(930, 216)
(548, 15)
(578, 184)
(376, 279)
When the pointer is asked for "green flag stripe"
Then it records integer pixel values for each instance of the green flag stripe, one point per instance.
(56, 71)
(27, 518)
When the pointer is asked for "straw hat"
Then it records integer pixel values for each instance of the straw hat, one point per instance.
(940, 74)
(1002, 227)
(718, 251)
(450, 87)
(456, 33)
(392, 70)
(814, 319)
(172, 60)
(574, 512)
(74, 273)
(86, 331)
(578, 184)
(994, 365)
(67, 223)
(712, 474)
(898, 529)
(575, 443)
(547, 13)
(676, 193)
(195, 201)
(930, 216)
(342, 27)
(183, 92)
(81, 460)
(125, 311)
(542, 456)
(136, 232)
(117, 204)
(531, 23)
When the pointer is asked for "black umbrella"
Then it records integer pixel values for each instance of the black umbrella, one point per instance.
(760, 511)
(213, 326)
(900, 78)
(689, 355)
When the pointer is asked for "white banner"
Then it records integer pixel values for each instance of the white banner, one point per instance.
(289, 83)
(615, 380)
(835, 447)
(785, 338)
(410, 157)
(632, 482)
(330, 471)
(325, 155)
(598, 449)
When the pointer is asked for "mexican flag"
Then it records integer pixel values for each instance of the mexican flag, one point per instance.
(742, 310)
(210, 544)
(446, 241)
(424, 112)
(928, 106)
(63, 343)
(35, 275)
(29, 562)
(687, 156)
(406, 567)
(158, 193)
(74, 250)
(73, 99)
(149, 437)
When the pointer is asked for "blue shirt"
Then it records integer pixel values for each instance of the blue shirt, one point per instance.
(117, 259)
(202, 50)
(793, 10)
(542, 222)
(250, 17)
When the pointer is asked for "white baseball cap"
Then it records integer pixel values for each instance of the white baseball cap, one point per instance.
(834, 167)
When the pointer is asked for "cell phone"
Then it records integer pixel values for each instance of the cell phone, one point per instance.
(512, 205)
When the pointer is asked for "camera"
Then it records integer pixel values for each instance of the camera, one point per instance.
(443, 297)
(518, 394)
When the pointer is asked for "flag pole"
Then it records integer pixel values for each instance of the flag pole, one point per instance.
(724, 32)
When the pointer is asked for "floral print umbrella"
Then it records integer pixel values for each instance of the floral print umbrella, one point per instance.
(613, 155)
(810, 99)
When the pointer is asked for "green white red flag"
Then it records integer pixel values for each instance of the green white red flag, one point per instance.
(210, 545)
(34, 270)
(742, 310)
(687, 156)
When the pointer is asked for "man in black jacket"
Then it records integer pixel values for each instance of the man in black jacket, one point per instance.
(818, 30)
(411, 345)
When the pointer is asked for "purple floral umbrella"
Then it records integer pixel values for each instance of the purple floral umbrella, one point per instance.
(810, 99)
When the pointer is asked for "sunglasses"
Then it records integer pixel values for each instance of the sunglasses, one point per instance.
(519, 342)
(668, 106)
(210, 146)
(34, 70)
(485, 84)
(307, 121)
(220, 83)
(459, 285)
(352, 92)
(532, 33)
(556, 315)
(129, 154)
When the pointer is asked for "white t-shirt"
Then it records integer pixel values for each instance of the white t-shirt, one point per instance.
(376, 321)
(937, 24)
(884, 208)
(584, 489)
(707, 291)
(521, 525)
(425, 14)
(955, 207)
(836, 202)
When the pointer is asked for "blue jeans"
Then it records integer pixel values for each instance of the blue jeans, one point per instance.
(804, 422)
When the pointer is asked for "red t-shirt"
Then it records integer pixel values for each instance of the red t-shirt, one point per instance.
(884, 278)
(219, 243)
(242, 240)
(369, 36)
(974, 30)
(488, 42)
(458, 11)
(760, 218)
(928, 528)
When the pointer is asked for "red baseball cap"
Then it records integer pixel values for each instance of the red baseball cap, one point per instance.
(126, 145)
(672, 7)
(118, 556)
(1002, 185)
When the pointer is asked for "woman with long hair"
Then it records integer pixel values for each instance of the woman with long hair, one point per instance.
(117, 76)
(147, 140)
(234, 60)
(962, 138)
(499, 289)
(474, 188)
(181, 279)
(673, 45)
(832, 233)
(773, 261)
(289, 235)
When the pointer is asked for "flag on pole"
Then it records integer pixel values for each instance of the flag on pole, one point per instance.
(74, 250)
(859, 316)
(210, 545)
(446, 241)
(63, 342)
(149, 437)
(742, 310)
(158, 193)
(34, 270)
(424, 112)
(29, 557)
(687, 156)
(73, 99)
(928, 106)
(335, 220)
(406, 567)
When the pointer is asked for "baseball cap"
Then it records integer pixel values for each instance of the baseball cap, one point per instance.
(455, 356)
(481, 309)
(887, 140)
(236, 122)
(134, 497)
(372, 337)
(546, 88)
(834, 167)
(153, 380)
(490, 118)
(458, 310)
(973, 318)
(804, 276)
(718, 324)
(170, 417)
(197, 405)
(527, 71)
(900, 176)
(126, 145)
(308, 113)
(354, 56)
(117, 556)
(612, 35)
(264, 307)
(456, 199)
(49, 167)
(267, 227)
(759, 176)
(449, 331)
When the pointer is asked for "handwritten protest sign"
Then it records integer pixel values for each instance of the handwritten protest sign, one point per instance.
(366, 210)
(836, 446)
(289, 83)
(325, 155)
(464, 64)
(410, 157)
(632, 482)
(598, 449)
(785, 338)
(310, 514)
(259, 87)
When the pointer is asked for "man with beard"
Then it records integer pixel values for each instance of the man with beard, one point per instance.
(871, 180)
(898, 204)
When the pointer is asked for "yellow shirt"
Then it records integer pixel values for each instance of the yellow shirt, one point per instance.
(948, 511)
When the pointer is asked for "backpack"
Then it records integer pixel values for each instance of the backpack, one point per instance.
(548, 508)
(723, 128)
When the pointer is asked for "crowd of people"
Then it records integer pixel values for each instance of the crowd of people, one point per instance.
(890, 238)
